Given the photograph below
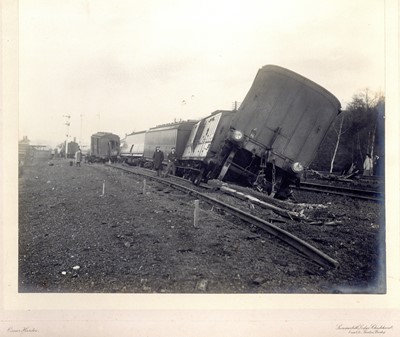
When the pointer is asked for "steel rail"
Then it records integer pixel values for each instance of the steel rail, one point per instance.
(310, 251)
(344, 191)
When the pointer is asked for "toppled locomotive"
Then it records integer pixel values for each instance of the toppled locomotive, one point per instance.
(270, 139)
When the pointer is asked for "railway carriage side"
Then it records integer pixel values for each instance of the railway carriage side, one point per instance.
(166, 137)
(132, 148)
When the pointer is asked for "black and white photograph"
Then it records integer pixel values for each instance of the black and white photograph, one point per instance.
(182, 152)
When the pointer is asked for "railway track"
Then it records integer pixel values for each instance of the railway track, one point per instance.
(300, 245)
(373, 195)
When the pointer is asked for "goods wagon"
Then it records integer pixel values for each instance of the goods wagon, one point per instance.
(167, 136)
(200, 159)
(278, 128)
(104, 146)
(132, 148)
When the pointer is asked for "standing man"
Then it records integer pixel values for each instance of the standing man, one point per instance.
(158, 158)
(171, 166)
(367, 165)
(78, 157)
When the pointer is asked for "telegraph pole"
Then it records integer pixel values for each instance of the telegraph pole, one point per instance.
(67, 123)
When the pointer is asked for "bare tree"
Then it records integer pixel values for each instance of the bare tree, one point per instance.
(358, 130)
(367, 109)
(339, 134)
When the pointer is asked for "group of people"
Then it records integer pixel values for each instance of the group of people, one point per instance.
(370, 167)
(158, 158)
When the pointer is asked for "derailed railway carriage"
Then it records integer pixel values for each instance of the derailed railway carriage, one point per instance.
(265, 144)
(201, 157)
(278, 128)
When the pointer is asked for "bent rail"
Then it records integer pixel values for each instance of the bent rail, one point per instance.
(310, 251)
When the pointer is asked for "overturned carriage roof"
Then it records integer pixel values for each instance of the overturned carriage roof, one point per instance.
(287, 113)
(289, 74)
(134, 133)
(181, 125)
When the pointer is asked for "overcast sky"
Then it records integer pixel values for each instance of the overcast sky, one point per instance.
(123, 66)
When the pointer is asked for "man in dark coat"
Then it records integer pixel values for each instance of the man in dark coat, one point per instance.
(171, 166)
(158, 158)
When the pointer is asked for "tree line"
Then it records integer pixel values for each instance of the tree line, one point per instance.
(358, 130)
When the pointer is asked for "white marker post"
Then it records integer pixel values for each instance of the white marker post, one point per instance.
(196, 213)
(144, 186)
(104, 188)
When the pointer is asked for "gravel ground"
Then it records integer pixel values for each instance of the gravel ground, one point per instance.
(74, 239)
